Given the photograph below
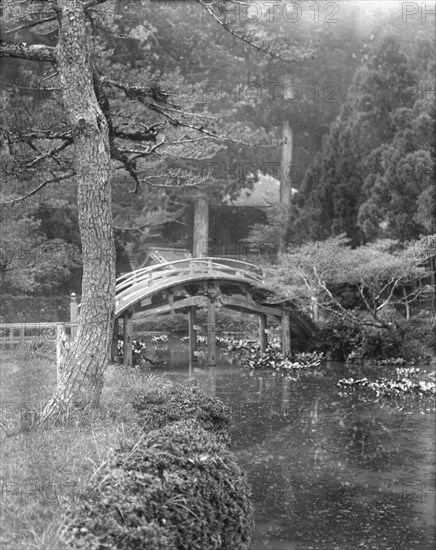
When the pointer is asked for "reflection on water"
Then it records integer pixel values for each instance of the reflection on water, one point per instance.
(327, 471)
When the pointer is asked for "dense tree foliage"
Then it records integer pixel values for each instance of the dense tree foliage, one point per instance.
(375, 175)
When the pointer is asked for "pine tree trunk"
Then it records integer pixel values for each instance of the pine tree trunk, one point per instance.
(82, 365)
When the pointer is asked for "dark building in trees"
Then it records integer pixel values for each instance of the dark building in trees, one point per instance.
(227, 223)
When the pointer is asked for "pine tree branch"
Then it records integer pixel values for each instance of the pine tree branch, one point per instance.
(148, 134)
(175, 115)
(31, 52)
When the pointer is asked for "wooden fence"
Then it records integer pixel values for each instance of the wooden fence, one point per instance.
(13, 334)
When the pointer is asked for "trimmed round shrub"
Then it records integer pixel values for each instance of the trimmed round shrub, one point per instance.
(178, 488)
(175, 402)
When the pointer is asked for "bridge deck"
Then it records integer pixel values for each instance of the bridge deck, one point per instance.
(139, 284)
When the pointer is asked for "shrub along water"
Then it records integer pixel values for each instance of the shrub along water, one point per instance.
(177, 487)
(409, 340)
(174, 402)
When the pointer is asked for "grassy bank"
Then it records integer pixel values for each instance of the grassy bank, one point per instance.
(49, 475)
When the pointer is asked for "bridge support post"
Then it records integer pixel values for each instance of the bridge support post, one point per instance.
(74, 315)
(127, 339)
(263, 334)
(170, 300)
(115, 358)
(211, 333)
(286, 333)
(192, 319)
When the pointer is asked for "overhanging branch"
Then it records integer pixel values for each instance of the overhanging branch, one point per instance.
(31, 52)
(47, 154)
(38, 188)
(245, 39)
(39, 135)
(148, 134)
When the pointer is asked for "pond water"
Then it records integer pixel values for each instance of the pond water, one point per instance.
(329, 471)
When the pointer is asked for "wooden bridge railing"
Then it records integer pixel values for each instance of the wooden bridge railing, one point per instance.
(132, 285)
(196, 265)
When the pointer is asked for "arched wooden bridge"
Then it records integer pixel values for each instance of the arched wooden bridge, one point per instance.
(206, 283)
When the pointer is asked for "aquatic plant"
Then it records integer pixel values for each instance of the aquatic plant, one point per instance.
(388, 387)
(407, 371)
(356, 357)
(138, 353)
(160, 338)
(234, 345)
(391, 361)
(274, 359)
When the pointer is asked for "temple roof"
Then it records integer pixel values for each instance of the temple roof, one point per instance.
(159, 255)
(265, 193)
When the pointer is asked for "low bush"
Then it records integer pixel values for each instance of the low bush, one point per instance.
(419, 337)
(174, 402)
(176, 488)
(412, 340)
(380, 343)
(337, 339)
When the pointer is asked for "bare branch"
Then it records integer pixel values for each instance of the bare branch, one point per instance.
(40, 135)
(32, 24)
(47, 154)
(149, 150)
(389, 297)
(239, 36)
(177, 178)
(344, 314)
(186, 157)
(137, 92)
(38, 188)
(93, 3)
